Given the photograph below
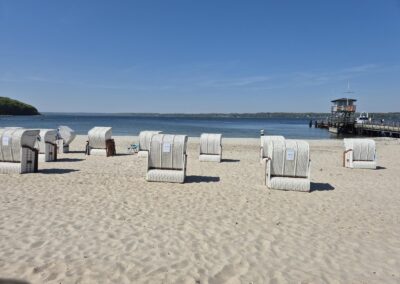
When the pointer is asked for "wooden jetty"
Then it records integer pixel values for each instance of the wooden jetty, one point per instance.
(372, 128)
(342, 120)
(376, 129)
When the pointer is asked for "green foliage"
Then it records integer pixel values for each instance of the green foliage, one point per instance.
(13, 107)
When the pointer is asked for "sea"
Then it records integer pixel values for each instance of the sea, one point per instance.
(128, 125)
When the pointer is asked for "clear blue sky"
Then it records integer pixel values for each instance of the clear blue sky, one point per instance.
(200, 56)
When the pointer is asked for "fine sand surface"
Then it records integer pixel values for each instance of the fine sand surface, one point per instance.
(96, 220)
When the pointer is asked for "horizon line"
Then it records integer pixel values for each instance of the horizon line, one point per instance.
(202, 113)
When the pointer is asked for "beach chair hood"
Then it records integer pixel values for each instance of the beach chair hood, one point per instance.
(13, 139)
(145, 138)
(98, 136)
(363, 149)
(210, 144)
(48, 135)
(289, 158)
(66, 134)
(167, 152)
(264, 144)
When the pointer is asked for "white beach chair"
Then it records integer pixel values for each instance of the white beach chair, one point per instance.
(167, 158)
(67, 135)
(47, 145)
(359, 154)
(264, 145)
(288, 165)
(17, 152)
(100, 142)
(210, 147)
(144, 142)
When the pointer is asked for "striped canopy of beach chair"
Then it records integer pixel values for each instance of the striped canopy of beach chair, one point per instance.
(17, 150)
(167, 158)
(288, 165)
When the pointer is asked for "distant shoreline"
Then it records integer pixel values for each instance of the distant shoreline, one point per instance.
(285, 115)
(388, 116)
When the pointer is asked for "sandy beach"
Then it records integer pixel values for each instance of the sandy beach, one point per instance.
(97, 220)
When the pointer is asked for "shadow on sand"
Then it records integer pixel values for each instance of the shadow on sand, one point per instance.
(380, 168)
(69, 160)
(12, 281)
(56, 172)
(123, 154)
(230, 161)
(76, 152)
(315, 186)
(199, 179)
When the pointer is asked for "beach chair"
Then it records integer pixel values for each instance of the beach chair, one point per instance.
(47, 145)
(144, 142)
(17, 152)
(288, 165)
(166, 161)
(100, 142)
(359, 154)
(210, 147)
(264, 145)
(66, 135)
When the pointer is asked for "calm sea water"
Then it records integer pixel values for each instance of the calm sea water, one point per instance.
(129, 125)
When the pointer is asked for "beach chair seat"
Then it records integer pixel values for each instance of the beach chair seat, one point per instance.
(289, 183)
(359, 153)
(166, 161)
(66, 135)
(157, 175)
(100, 142)
(210, 147)
(18, 154)
(48, 145)
(144, 142)
(264, 145)
(288, 165)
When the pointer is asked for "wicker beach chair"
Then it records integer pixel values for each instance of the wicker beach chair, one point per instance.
(100, 142)
(144, 142)
(359, 154)
(47, 145)
(17, 152)
(210, 147)
(288, 165)
(66, 135)
(264, 145)
(167, 158)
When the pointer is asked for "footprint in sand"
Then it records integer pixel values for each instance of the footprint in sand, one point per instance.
(37, 244)
(51, 271)
(230, 274)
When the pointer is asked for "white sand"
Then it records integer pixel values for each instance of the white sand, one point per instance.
(97, 220)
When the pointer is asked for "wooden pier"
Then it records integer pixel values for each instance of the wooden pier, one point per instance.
(375, 129)
(342, 121)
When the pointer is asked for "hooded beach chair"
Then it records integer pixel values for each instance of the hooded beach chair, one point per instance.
(17, 152)
(66, 135)
(144, 142)
(359, 154)
(166, 161)
(264, 145)
(47, 145)
(100, 142)
(210, 147)
(288, 165)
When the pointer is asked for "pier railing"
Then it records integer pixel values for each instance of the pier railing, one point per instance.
(367, 128)
(375, 126)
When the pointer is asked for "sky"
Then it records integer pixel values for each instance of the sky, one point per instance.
(203, 56)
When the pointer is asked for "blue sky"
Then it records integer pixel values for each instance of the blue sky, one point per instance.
(200, 56)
